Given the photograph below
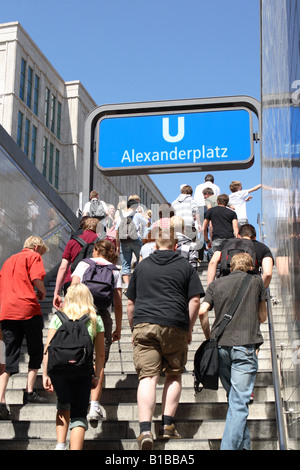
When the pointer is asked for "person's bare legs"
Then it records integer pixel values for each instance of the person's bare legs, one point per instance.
(146, 397)
(32, 373)
(62, 425)
(126, 279)
(77, 438)
(4, 378)
(97, 392)
(171, 394)
(170, 400)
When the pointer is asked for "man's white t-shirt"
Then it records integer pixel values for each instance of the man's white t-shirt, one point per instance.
(238, 200)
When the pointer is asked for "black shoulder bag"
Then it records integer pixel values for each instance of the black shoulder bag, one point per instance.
(207, 357)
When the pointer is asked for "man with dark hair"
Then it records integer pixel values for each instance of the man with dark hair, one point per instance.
(208, 183)
(94, 202)
(224, 223)
(73, 247)
(163, 301)
(200, 199)
(128, 239)
(264, 258)
(208, 194)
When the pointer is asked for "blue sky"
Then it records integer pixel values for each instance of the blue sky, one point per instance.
(127, 51)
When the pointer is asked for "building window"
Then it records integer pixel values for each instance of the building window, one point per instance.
(27, 137)
(56, 175)
(22, 80)
(45, 156)
(20, 129)
(53, 110)
(47, 107)
(51, 159)
(29, 87)
(58, 121)
(33, 144)
(36, 95)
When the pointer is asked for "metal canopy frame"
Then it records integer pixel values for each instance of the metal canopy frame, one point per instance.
(158, 107)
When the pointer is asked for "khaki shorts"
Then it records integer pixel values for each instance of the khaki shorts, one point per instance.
(159, 349)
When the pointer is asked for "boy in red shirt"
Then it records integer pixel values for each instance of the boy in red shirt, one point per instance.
(21, 315)
(63, 278)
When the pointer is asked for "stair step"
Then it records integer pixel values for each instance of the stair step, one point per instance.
(130, 380)
(114, 396)
(200, 418)
(126, 353)
(128, 366)
(192, 446)
(129, 411)
(129, 429)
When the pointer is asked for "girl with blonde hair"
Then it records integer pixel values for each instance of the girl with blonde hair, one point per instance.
(73, 394)
(104, 254)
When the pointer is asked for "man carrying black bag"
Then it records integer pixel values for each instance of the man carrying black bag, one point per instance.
(238, 362)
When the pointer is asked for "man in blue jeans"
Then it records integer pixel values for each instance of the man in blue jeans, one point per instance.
(128, 238)
(238, 362)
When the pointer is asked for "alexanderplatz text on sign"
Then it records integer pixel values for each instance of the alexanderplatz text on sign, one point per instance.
(170, 136)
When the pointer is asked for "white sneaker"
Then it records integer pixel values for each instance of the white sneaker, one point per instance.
(95, 414)
(61, 446)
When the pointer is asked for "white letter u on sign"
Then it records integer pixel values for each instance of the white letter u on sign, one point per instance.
(166, 130)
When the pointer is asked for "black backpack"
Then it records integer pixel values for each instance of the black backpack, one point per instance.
(232, 247)
(99, 279)
(85, 252)
(97, 209)
(70, 352)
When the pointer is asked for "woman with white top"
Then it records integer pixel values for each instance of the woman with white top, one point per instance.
(104, 254)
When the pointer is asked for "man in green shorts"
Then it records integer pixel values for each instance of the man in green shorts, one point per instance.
(163, 302)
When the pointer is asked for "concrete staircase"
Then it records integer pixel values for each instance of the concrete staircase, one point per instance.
(200, 419)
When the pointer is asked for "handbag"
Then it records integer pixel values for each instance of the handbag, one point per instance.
(206, 359)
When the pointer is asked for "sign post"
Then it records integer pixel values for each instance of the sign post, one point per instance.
(170, 136)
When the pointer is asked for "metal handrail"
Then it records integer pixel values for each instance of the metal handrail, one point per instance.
(280, 420)
(50, 234)
(279, 409)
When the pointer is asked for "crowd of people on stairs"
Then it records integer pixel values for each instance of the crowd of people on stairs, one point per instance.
(154, 262)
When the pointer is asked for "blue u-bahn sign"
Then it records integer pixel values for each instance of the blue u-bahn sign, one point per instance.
(175, 141)
(173, 136)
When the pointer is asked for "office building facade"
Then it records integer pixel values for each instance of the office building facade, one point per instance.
(46, 116)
